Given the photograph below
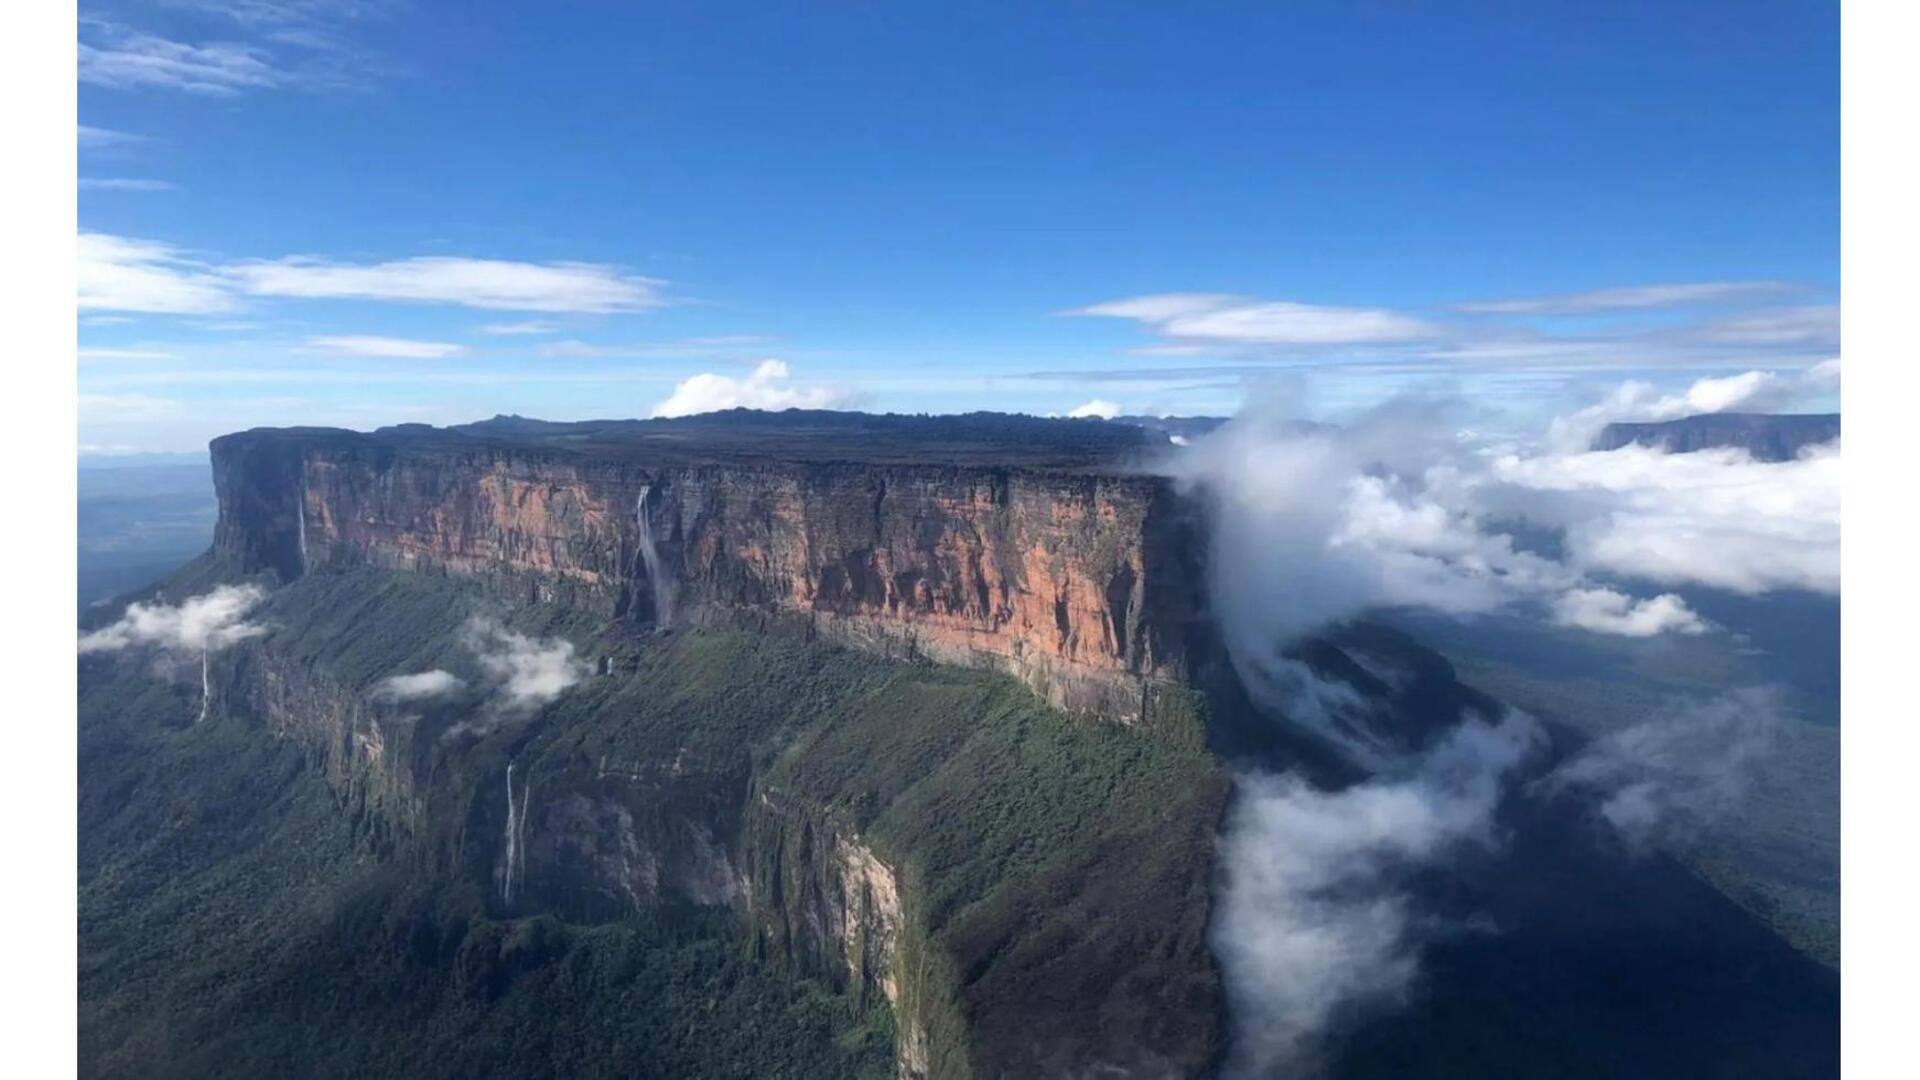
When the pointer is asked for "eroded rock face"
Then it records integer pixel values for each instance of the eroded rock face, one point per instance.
(1079, 583)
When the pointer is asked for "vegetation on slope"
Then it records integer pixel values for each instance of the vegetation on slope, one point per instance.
(242, 916)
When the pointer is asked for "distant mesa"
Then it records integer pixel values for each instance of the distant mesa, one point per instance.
(1766, 436)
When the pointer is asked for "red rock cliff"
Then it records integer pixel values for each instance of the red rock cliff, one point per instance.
(1074, 580)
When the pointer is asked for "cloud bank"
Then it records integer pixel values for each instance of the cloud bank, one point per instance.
(1311, 525)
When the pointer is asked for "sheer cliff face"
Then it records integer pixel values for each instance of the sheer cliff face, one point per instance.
(1077, 583)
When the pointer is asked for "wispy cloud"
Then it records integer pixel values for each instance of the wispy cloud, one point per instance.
(477, 283)
(117, 273)
(1815, 326)
(722, 345)
(397, 348)
(121, 273)
(125, 183)
(768, 387)
(96, 138)
(125, 58)
(1739, 323)
(86, 354)
(1687, 768)
(1215, 317)
(1628, 298)
(261, 45)
(512, 329)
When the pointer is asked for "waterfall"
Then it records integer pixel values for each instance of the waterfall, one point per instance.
(657, 578)
(516, 836)
(300, 516)
(206, 687)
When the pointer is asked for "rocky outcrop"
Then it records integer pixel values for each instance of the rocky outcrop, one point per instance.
(1078, 581)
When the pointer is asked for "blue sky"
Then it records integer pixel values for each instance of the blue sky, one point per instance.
(326, 211)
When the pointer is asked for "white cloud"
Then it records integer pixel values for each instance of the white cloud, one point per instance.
(1098, 407)
(124, 58)
(1313, 922)
(519, 328)
(125, 183)
(117, 273)
(1606, 611)
(1627, 298)
(527, 672)
(125, 274)
(476, 283)
(417, 686)
(200, 624)
(399, 348)
(1218, 318)
(766, 388)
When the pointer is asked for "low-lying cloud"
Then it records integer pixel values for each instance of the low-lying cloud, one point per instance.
(198, 625)
(1687, 768)
(525, 672)
(418, 686)
(1314, 926)
(1311, 525)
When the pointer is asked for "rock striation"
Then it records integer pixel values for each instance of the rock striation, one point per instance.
(1072, 569)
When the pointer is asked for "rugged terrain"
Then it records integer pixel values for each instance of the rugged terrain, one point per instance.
(863, 765)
